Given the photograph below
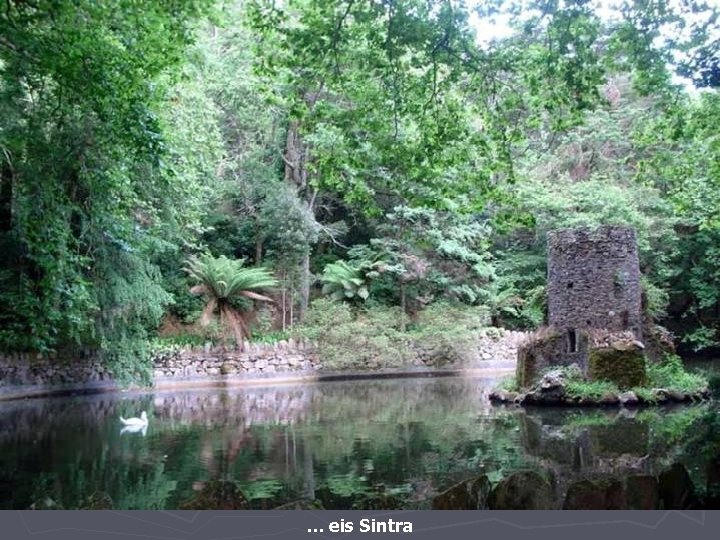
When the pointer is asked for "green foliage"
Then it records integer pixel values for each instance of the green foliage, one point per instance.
(683, 157)
(372, 338)
(509, 384)
(376, 144)
(269, 337)
(176, 342)
(589, 389)
(357, 341)
(342, 281)
(671, 374)
(222, 281)
(90, 196)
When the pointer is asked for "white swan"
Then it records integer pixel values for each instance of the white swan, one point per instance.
(135, 422)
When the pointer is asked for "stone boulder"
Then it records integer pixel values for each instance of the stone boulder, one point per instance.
(550, 389)
(526, 490)
(659, 341)
(503, 396)
(629, 399)
(227, 368)
(467, 495)
(606, 494)
(46, 504)
(541, 350)
(642, 493)
(676, 489)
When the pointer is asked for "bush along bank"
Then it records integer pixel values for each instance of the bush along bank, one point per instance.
(335, 341)
(666, 381)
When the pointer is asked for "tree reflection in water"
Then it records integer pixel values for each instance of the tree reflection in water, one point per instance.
(369, 444)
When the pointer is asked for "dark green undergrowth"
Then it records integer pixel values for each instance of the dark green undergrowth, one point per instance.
(371, 338)
(671, 374)
(578, 388)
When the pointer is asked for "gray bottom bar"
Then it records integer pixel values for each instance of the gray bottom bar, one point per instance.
(212, 525)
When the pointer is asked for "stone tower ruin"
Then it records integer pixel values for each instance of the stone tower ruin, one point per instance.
(595, 314)
(594, 280)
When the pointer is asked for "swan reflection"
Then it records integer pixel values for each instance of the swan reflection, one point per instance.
(134, 429)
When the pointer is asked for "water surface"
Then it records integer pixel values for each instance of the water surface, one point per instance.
(359, 444)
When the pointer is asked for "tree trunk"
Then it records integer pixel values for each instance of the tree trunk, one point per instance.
(304, 285)
(6, 195)
(258, 243)
(284, 301)
(295, 156)
(292, 305)
(403, 307)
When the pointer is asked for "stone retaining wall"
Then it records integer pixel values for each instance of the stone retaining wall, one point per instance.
(254, 359)
(23, 375)
(502, 347)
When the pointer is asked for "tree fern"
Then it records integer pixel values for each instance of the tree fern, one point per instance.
(221, 280)
(342, 280)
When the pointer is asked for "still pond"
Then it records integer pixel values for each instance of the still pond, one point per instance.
(360, 444)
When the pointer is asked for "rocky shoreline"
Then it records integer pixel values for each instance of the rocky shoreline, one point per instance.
(552, 390)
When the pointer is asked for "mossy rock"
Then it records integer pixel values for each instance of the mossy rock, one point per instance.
(467, 495)
(624, 368)
(537, 354)
(524, 490)
(599, 494)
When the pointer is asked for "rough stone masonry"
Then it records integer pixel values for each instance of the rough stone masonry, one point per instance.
(595, 314)
(594, 280)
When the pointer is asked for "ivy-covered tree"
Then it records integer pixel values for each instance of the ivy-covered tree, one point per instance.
(89, 191)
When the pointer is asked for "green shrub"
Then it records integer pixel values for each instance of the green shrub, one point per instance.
(671, 374)
(269, 337)
(451, 316)
(645, 393)
(509, 384)
(370, 338)
(359, 340)
(578, 388)
(714, 384)
(178, 341)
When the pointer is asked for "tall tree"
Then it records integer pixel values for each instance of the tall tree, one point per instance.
(83, 168)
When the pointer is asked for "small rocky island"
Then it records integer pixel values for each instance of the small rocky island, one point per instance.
(600, 346)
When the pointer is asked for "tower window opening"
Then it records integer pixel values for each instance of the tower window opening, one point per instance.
(572, 341)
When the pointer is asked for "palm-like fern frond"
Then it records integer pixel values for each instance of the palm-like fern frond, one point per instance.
(342, 280)
(220, 280)
(224, 278)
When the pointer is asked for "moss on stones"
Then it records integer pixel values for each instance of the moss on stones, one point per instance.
(625, 368)
(537, 354)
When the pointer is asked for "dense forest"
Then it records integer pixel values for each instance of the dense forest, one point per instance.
(289, 165)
